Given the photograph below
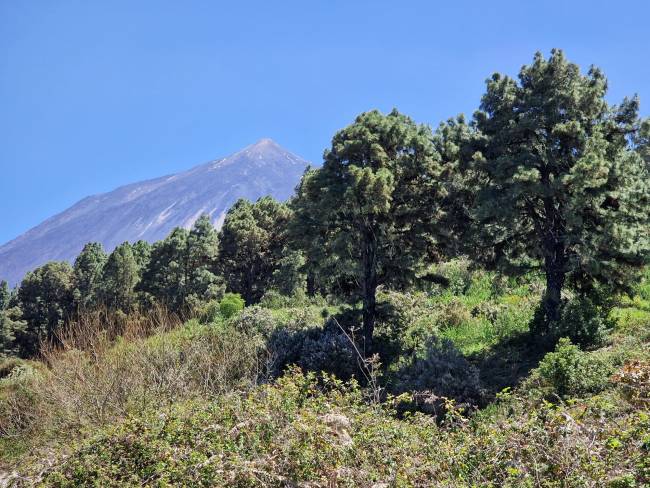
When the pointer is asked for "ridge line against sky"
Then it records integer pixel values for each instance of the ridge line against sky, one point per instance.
(97, 95)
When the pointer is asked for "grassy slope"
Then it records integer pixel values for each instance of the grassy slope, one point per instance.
(218, 430)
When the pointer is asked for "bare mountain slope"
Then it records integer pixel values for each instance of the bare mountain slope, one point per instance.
(150, 209)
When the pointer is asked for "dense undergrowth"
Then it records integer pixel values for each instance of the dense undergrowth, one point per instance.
(461, 395)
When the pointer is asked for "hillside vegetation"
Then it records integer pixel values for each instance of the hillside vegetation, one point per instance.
(469, 307)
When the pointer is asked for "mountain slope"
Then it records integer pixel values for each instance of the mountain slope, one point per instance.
(150, 209)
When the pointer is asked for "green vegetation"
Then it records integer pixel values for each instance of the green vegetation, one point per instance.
(469, 307)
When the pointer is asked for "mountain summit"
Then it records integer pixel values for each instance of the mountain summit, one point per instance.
(150, 209)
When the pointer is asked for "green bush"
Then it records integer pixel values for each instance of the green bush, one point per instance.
(210, 312)
(458, 274)
(231, 304)
(300, 431)
(582, 319)
(584, 322)
(18, 399)
(569, 371)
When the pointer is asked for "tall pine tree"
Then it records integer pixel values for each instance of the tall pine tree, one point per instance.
(560, 189)
(372, 208)
(87, 272)
(252, 245)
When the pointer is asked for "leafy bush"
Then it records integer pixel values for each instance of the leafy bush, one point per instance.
(440, 372)
(303, 432)
(313, 348)
(584, 322)
(209, 312)
(19, 401)
(230, 304)
(569, 371)
(398, 315)
(583, 319)
(254, 320)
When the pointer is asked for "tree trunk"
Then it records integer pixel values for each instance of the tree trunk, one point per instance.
(554, 264)
(554, 258)
(311, 283)
(369, 290)
(553, 294)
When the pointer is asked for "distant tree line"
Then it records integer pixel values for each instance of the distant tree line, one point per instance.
(546, 177)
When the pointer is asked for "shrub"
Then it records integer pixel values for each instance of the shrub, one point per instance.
(18, 399)
(582, 320)
(210, 312)
(458, 274)
(634, 377)
(569, 371)
(442, 372)
(254, 320)
(398, 313)
(275, 300)
(231, 304)
(313, 348)
(453, 314)
(89, 387)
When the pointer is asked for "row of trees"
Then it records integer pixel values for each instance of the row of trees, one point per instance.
(546, 177)
(182, 272)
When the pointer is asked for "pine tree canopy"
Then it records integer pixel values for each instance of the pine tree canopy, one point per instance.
(372, 204)
(560, 188)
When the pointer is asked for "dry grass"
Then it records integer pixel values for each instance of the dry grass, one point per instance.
(102, 368)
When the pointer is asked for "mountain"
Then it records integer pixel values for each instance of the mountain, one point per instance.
(150, 209)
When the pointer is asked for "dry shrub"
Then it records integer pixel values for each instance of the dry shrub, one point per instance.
(102, 368)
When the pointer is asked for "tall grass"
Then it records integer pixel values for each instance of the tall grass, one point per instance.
(100, 369)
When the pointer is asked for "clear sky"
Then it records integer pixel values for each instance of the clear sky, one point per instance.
(97, 94)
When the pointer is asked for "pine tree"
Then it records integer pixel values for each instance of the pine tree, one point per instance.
(45, 298)
(10, 323)
(559, 189)
(371, 209)
(181, 269)
(87, 272)
(120, 276)
(251, 246)
(203, 284)
(164, 278)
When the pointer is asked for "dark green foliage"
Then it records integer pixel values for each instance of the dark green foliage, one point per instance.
(560, 189)
(440, 371)
(120, 276)
(202, 283)
(45, 297)
(371, 207)
(5, 295)
(289, 278)
(163, 278)
(642, 142)
(180, 272)
(231, 304)
(314, 348)
(252, 248)
(141, 253)
(10, 323)
(87, 270)
(572, 372)
(582, 320)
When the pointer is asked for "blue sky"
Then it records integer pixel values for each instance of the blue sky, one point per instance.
(97, 94)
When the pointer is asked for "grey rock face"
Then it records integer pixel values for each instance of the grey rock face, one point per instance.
(149, 210)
